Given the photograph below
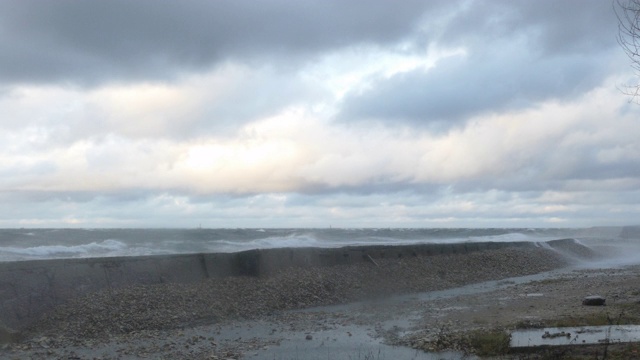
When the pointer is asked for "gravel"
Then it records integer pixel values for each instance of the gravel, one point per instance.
(118, 312)
(183, 321)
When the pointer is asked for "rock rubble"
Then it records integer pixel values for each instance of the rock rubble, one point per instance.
(169, 306)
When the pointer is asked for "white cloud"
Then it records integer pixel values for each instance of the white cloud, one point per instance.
(295, 151)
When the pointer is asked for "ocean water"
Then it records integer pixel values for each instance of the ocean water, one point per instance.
(34, 244)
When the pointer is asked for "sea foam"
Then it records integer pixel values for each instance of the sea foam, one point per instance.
(23, 244)
(105, 248)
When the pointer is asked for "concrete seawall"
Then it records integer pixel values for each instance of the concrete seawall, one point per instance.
(30, 288)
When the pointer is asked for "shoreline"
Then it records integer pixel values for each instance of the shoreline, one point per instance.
(29, 289)
(122, 318)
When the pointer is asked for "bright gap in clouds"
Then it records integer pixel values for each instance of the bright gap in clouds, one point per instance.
(352, 70)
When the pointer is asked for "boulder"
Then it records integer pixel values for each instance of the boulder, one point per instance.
(594, 300)
(7, 335)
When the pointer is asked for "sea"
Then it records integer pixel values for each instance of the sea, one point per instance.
(40, 244)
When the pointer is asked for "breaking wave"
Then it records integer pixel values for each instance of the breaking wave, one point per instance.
(21, 244)
(104, 248)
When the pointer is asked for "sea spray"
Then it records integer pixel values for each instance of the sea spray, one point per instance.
(36, 244)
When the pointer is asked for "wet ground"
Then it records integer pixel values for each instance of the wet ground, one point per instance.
(370, 329)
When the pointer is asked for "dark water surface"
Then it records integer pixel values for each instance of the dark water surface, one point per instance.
(34, 244)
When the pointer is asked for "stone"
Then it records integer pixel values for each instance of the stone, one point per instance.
(7, 335)
(593, 300)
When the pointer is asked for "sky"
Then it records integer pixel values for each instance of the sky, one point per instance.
(274, 113)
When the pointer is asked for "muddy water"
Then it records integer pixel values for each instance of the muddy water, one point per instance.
(363, 336)
(370, 323)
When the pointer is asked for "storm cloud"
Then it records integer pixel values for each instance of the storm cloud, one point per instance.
(308, 113)
(92, 42)
(511, 56)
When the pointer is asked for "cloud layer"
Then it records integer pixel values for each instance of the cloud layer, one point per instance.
(411, 113)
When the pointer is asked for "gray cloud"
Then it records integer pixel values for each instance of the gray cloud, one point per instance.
(466, 87)
(93, 41)
(404, 208)
(106, 141)
(519, 53)
(570, 26)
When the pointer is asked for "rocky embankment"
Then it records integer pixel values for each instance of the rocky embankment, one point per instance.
(121, 311)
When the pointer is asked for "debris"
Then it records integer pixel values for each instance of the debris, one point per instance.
(373, 261)
(594, 300)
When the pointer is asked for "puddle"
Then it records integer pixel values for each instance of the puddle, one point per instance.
(346, 342)
(477, 288)
(587, 335)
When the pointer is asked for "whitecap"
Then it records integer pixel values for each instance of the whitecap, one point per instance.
(108, 247)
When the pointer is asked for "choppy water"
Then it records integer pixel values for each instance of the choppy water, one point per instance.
(30, 244)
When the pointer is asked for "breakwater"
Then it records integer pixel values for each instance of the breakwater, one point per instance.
(30, 288)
